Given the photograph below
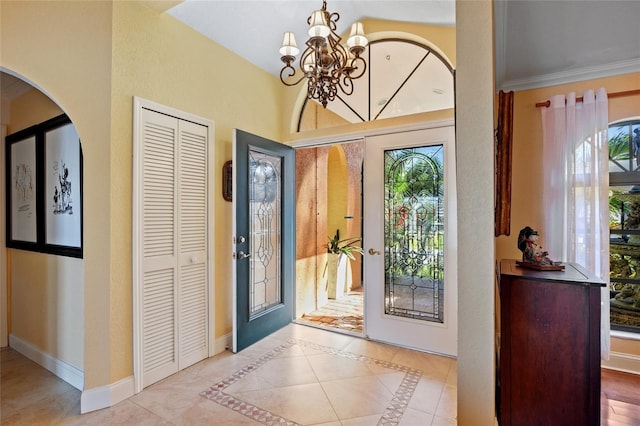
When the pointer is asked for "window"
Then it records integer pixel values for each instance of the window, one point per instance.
(403, 77)
(624, 224)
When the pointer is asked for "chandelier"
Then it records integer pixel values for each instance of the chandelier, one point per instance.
(327, 65)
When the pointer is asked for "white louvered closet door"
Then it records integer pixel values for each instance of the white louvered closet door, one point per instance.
(174, 287)
(192, 243)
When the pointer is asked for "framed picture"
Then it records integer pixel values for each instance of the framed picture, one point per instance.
(21, 187)
(44, 188)
(62, 188)
(227, 184)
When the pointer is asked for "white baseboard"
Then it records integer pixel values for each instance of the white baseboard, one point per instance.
(106, 396)
(222, 344)
(65, 371)
(622, 362)
(95, 399)
(121, 390)
(91, 399)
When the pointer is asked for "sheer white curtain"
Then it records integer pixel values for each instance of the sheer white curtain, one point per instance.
(576, 187)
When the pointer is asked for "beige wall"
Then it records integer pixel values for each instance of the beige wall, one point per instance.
(29, 109)
(475, 174)
(158, 58)
(99, 55)
(64, 48)
(526, 199)
(46, 304)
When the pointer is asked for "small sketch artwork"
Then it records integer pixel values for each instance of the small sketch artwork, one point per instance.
(24, 186)
(62, 190)
(24, 182)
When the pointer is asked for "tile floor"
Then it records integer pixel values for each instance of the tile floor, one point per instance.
(297, 376)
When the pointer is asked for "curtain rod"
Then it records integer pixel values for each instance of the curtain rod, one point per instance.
(609, 95)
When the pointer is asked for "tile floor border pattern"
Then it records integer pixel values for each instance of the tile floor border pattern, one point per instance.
(391, 416)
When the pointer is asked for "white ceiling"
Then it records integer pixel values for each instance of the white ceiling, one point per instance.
(544, 43)
(538, 43)
(254, 29)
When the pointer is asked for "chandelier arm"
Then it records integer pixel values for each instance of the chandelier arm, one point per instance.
(346, 85)
(333, 21)
(344, 82)
(335, 41)
(358, 67)
(338, 52)
(291, 72)
(309, 67)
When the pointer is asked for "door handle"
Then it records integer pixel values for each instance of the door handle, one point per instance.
(373, 252)
(241, 255)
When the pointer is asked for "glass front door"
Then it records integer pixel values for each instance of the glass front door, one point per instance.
(264, 237)
(410, 240)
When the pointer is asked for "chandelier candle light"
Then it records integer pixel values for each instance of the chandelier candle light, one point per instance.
(326, 63)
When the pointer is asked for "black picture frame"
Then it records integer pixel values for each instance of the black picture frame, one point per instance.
(21, 190)
(57, 188)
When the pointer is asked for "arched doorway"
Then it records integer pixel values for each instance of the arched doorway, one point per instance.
(43, 311)
(329, 196)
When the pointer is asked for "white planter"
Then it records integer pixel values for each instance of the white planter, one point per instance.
(337, 275)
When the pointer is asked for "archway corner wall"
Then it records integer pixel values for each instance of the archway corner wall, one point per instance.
(32, 34)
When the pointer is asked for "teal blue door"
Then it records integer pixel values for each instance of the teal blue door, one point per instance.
(264, 237)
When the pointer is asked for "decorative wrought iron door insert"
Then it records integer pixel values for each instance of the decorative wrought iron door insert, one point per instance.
(414, 232)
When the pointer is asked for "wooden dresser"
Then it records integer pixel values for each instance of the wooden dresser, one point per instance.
(549, 349)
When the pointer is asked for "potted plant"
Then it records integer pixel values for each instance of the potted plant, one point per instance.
(337, 268)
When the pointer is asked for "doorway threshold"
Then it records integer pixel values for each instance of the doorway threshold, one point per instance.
(307, 323)
(343, 315)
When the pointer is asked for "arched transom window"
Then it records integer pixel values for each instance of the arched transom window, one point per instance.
(403, 77)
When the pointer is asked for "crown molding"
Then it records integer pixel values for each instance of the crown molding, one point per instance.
(571, 76)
